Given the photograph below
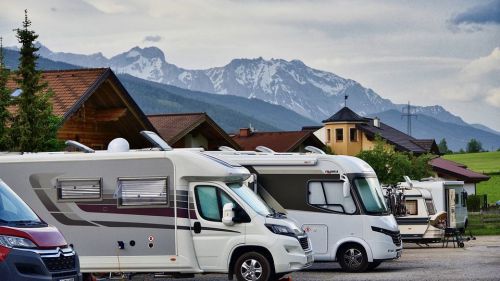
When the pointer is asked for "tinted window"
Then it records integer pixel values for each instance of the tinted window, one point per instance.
(353, 134)
(329, 195)
(339, 134)
(210, 201)
(411, 207)
(13, 210)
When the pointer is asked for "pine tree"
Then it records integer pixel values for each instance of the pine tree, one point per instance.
(4, 103)
(34, 126)
(443, 147)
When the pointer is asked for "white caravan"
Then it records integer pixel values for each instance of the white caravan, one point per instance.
(449, 197)
(172, 211)
(337, 200)
(417, 219)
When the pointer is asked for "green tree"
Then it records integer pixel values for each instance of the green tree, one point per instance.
(443, 147)
(474, 146)
(391, 165)
(5, 98)
(34, 126)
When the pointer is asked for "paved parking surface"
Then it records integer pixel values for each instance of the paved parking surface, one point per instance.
(479, 260)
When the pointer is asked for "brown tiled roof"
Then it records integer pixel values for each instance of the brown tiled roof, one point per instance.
(428, 144)
(277, 141)
(69, 86)
(172, 127)
(447, 167)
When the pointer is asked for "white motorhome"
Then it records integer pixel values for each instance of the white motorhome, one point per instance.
(174, 211)
(337, 200)
(449, 197)
(418, 220)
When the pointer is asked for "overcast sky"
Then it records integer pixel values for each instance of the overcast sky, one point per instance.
(426, 52)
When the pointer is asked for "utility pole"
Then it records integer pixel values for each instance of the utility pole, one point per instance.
(345, 100)
(406, 112)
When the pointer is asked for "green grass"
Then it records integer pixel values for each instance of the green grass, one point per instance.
(478, 227)
(483, 162)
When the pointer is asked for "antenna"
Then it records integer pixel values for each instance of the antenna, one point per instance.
(262, 148)
(79, 146)
(314, 149)
(156, 140)
(408, 114)
(226, 148)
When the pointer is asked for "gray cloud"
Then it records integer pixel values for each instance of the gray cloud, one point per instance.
(152, 38)
(488, 13)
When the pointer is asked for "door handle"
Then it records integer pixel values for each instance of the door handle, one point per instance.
(197, 227)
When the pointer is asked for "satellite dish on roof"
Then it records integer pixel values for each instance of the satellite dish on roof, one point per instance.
(118, 145)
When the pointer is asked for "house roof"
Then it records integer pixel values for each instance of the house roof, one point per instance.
(173, 127)
(344, 115)
(457, 170)
(429, 145)
(400, 140)
(278, 141)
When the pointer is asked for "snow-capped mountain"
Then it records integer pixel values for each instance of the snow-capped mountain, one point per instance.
(310, 92)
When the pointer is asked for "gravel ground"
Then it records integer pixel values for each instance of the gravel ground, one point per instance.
(479, 260)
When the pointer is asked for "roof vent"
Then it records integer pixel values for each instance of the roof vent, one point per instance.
(79, 146)
(118, 145)
(226, 148)
(156, 140)
(314, 149)
(376, 122)
(16, 93)
(262, 148)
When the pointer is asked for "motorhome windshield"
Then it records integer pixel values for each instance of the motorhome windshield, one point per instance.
(13, 210)
(371, 195)
(254, 201)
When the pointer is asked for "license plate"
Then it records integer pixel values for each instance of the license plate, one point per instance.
(67, 279)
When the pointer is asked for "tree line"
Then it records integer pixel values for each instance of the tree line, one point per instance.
(27, 122)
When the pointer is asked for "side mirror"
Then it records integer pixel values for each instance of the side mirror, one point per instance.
(346, 189)
(228, 214)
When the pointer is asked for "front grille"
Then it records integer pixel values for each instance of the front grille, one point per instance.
(304, 242)
(59, 263)
(395, 235)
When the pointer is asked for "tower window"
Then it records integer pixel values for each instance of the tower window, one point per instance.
(339, 135)
(353, 134)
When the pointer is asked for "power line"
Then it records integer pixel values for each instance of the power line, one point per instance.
(408, 114)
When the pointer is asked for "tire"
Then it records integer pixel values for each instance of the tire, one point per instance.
(352, 258)
(253, 266)
(373, 265)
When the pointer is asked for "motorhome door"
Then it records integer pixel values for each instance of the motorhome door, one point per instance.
(451, 208)
(213, 240)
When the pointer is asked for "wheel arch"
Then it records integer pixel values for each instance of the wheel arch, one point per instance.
(353, 240)
(238, 251)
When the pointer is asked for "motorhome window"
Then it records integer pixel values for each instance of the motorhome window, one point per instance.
(254, 201)
(13, 210)
(142, 191)
(339, 134)
(329, 195)
(353, 134)
(411, 207)
(79, 189)
(464, 199)
(371, 195)
(457, 199)
(430, 207)
(210, 201)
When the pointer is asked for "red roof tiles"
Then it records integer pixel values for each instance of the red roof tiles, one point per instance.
(457, 170)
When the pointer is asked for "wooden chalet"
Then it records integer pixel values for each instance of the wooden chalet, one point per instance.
(95, 107)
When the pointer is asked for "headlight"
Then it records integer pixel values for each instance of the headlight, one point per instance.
(16, 242)
(280, 229)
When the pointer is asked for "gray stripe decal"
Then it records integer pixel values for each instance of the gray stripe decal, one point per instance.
(67, 221)
(408, 221)
(153, 225)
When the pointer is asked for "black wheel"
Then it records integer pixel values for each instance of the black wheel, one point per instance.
(252, 266)
(373, 265)
(461, 244)
(352, 258)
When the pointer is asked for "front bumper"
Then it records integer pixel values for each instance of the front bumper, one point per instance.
(31, 265)
(289, 254)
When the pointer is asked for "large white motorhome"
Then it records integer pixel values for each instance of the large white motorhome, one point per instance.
(174, 211)
(449, 197)
(416, 214)
(336, 199)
